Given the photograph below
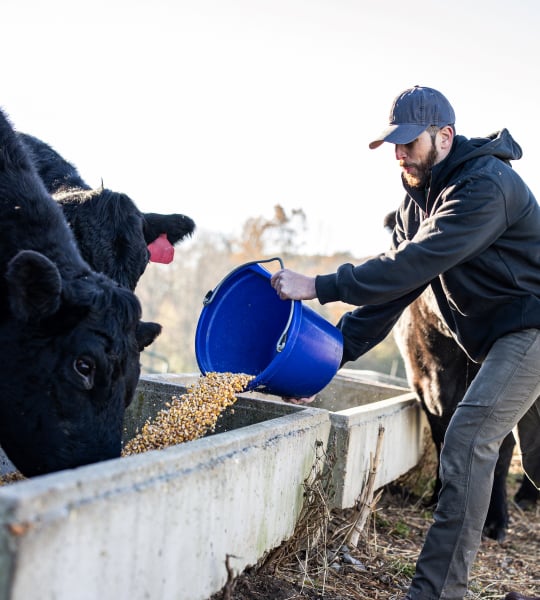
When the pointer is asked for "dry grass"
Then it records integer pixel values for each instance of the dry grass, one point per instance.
(314, 563)
(317, 563)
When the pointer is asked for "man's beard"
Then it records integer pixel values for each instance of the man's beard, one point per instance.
(422, 174)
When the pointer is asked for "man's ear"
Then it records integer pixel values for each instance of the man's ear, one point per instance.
(446, 137)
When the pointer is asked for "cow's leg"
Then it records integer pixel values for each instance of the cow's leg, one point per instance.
(496, 523)
(437, 435)
(529, 442)
(527, 494)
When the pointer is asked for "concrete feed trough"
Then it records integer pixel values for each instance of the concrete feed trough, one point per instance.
(360, 402)
(161, 524)
(356, 430)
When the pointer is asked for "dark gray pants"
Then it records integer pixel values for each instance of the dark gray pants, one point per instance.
(503, 393)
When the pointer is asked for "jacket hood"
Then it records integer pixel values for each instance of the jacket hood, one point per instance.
(499, 145)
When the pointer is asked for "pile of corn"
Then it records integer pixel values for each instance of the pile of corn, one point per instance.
(191, 415)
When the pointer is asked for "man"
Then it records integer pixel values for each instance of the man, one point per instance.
(470, 228)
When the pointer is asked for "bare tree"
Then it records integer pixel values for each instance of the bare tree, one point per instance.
(173, 294)
(280, 234)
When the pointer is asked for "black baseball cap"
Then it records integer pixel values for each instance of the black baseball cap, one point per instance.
(412, 112)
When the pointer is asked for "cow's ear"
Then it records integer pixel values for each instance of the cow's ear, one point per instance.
(146, 334)
(34, 286)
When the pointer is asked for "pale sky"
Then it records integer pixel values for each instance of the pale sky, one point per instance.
(221, 109)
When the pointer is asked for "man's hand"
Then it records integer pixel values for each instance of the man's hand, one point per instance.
(299, 400)
(293, 286)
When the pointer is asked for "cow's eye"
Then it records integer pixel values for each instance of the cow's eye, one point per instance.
(85, 367)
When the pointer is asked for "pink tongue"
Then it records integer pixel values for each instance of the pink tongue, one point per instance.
(161, 250)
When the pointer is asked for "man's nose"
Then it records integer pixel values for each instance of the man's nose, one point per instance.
(400, 151)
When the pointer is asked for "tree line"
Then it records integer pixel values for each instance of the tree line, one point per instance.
(173, 294)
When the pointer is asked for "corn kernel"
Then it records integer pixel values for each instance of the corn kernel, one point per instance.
(191, 415)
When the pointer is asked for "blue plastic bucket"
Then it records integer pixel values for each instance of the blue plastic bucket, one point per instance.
(245, 327)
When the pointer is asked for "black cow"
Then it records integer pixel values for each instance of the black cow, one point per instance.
(440, 372)
(112, 234)
(70, 338)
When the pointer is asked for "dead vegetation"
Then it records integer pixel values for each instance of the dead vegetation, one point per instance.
(320, 562)
(368, 552)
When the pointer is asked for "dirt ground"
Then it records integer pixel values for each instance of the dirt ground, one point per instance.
(319, 562)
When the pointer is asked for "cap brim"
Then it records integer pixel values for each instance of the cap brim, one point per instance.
(404, 133)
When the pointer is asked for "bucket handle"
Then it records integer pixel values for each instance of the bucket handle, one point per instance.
(211, 294)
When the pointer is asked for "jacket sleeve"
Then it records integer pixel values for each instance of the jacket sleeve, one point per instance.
(365, 327)
(468, 220)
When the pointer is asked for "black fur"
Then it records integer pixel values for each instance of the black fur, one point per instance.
(70, 338)
(112, 234)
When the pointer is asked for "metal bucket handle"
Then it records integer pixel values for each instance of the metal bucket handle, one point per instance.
(211, 294)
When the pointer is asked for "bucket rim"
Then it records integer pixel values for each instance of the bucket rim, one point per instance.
(282, 340)
(273, 376)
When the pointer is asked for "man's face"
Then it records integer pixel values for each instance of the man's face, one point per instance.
(417, 158)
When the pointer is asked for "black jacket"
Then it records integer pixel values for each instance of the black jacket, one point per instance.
(474, 237)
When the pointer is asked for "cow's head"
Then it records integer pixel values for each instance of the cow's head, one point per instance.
(114, 237)
(70, 367)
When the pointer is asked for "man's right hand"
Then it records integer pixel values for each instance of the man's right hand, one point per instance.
(290, 285)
